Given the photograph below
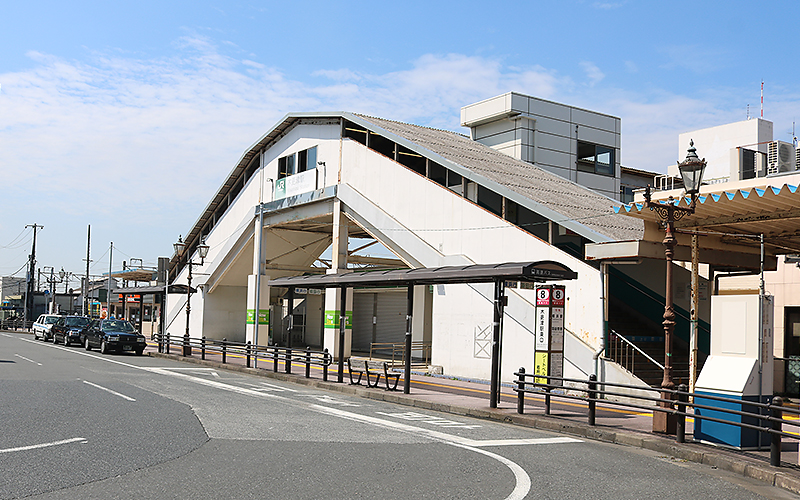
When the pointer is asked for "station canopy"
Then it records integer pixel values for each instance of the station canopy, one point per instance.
(540, 271)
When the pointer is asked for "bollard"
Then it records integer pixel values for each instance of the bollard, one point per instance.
(325, 358)
(275, 359)
(775, 444)
(288, 365)
(547, 397)
(224, 349)
(167, 344)
(680, 429)
(248, 353)
(203, 348)
(521, 391)
(592, 398)
(160, 342)
(308, 362)
(187, 347)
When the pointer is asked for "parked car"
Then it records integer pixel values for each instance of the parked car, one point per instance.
(69, 329)
(113, 335)
(41, 327)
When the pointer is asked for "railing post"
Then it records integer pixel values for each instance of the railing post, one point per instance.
(167, 344)
(325, 365)
(288, 364)
(224, 349)
(521, 391)
(247, 349)
(592, 398)
(547, 399)
(683, 398)
(775, 444)
(308, 362)
(275, 359)
(203, 348)
(160, 342)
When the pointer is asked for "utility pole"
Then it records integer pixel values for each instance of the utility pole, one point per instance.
(84, 306)
(31, 274)
(108, 296)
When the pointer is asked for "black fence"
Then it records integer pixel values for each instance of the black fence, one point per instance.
(221, 349)
(15, 324)
(680, 403)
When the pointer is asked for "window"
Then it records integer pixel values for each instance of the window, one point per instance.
(437, 173)
(296, 163)
(595, 159)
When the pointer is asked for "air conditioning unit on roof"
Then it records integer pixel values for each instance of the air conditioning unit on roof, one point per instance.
(781, 157)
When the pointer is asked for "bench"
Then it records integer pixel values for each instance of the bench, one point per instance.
(372, 368)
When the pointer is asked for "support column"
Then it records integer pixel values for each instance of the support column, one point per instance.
(499, 303)
(409, 327)
(335, 305)
(257, 332)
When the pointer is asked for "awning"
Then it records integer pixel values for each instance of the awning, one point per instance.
(541, 271)
(729, 219)
(134, 274)
(148, 290)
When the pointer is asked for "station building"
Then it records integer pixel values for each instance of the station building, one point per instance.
(325, 192)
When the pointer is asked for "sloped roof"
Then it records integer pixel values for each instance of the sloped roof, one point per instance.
(548, 192)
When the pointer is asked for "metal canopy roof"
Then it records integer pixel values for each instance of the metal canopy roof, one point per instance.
(147, 290)
(135, 274)
(541, 271)
(741, 214)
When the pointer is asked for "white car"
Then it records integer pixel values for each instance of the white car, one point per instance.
(42, 326)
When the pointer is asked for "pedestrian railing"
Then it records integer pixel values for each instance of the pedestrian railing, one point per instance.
(679, 403)
(397, 351)
(626, 353)
(15, 324)
(222, 349)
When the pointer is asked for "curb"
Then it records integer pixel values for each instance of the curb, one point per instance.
(690, 452)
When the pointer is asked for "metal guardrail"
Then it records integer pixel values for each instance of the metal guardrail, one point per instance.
(623, 352)
(678, 403)
(398, 351)
(15, 324)
(224, 348)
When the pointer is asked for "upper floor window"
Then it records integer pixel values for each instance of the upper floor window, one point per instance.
(595, 159)
(297, 162)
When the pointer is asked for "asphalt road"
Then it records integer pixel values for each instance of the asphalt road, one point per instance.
(79, 424)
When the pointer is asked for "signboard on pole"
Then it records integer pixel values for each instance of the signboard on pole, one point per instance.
(549, 345)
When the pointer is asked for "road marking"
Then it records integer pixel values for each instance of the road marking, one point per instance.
(324, 398)
(109, 390)
(429, 419)
(209, 371)
(263, 386)
(523, 481)
(26, 359)
(44, 445)
(7, 335)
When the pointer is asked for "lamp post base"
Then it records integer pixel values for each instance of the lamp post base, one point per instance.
(665, 423)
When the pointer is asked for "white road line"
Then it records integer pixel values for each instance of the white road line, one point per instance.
(44, 445)
(7, 335)
(523, 481)
(26, 359)
(109, 390)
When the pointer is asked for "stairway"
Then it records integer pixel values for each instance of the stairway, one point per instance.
(648, 336)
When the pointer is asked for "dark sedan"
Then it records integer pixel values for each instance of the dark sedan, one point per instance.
(69, 329)
(113, 335)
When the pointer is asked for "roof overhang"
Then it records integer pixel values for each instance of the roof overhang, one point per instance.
(729, 220)
(541, 271)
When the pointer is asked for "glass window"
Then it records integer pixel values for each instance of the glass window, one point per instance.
(595, 159)
(437, 173)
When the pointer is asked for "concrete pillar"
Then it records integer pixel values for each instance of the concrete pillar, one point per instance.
(257, 332)
(333, 295)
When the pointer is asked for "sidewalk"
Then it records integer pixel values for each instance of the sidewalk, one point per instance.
(471, 398)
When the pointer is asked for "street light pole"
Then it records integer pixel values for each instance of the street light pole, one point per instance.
(669, 212)
(180, 250)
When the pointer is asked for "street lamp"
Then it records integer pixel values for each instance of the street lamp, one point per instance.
(669, 212)
(180, 250)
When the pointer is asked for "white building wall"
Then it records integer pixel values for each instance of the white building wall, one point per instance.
(715, 144)
(458, 231)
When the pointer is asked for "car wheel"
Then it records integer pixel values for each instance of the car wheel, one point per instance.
(66, 341)
(86, 344)
(103, 347)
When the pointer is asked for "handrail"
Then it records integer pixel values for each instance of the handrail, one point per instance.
(657, 299)
(399, 347)
(676, 403)
(637, 349)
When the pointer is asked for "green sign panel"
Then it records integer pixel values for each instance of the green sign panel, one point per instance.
(332, 319)
(263, 316)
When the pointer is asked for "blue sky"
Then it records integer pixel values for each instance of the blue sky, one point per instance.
(128, 115)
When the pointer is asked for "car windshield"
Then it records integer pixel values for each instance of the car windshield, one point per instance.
(49, 320)
(118, 325)
(77, 321)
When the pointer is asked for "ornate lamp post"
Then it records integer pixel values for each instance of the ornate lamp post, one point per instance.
(180, 249)
(691, 170)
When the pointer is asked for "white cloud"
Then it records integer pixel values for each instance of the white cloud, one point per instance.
(139, 146)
